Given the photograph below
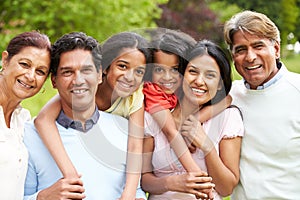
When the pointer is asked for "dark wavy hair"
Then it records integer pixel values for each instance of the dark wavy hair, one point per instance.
(170, 41)
(27, 39)
(71, 41)
(114, 45)
(216, 52)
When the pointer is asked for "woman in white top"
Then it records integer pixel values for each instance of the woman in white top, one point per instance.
(25, 67)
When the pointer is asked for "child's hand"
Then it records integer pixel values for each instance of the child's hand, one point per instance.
(194, 132)
(192, 147)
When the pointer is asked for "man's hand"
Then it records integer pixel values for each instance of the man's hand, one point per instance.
(63, 189)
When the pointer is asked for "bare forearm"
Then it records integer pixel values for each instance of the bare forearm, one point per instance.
(153, 184)
(224, 171)
(223, 178)
(181, 150)
(134, 154)
(47, 129)
(197, 183)
(209, 112)
(133, 167)
(166, 122)
(129, 191)
(222, 167)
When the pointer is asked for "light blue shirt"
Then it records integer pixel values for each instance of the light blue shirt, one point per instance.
(99, 155)
(278, 75)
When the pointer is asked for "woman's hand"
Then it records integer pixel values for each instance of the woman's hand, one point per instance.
(193, 131)
(196, 183)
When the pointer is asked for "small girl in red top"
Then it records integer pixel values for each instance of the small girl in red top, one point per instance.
(162, 82)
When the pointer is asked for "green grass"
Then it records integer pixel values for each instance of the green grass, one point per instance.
(292, 62)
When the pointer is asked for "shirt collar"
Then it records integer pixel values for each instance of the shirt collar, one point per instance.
(67, 122)
(273, 80)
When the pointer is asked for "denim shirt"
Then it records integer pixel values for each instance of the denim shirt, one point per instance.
(67, 122)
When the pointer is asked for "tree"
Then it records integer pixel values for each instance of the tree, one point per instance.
(99, 19)
(193, 17)
(283, 12)
(289, 16)
(297, 30)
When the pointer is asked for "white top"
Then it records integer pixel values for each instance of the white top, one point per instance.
(13, 155)
(98, 154)
(270, 153)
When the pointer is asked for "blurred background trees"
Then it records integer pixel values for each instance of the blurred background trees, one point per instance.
(99, 19)
(200, 18)
(102, 18)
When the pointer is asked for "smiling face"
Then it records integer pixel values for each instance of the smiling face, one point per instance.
(77, 80)
(165, 71)
(26, 72)
(126, 72)
(201, 80)
(255, 58)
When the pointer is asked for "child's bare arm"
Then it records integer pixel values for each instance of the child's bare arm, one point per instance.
(45, 124)
(197, 183)
(208, 112)
(166, 122)
(134, 155)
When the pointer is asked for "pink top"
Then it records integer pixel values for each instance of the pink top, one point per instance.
(227, 124)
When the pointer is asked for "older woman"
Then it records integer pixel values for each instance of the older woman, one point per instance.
(25, 67)
(207, 80)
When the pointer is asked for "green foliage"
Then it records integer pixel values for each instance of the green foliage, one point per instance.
(289, 14)
(297, 31)
(104, 18)
(223, 10)
(283, 12)
(99, 19)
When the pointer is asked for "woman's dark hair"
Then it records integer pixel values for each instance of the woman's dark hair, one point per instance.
(114, 45)
(171, 42)
(27, 39)
(71, 41)
(216, 52)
